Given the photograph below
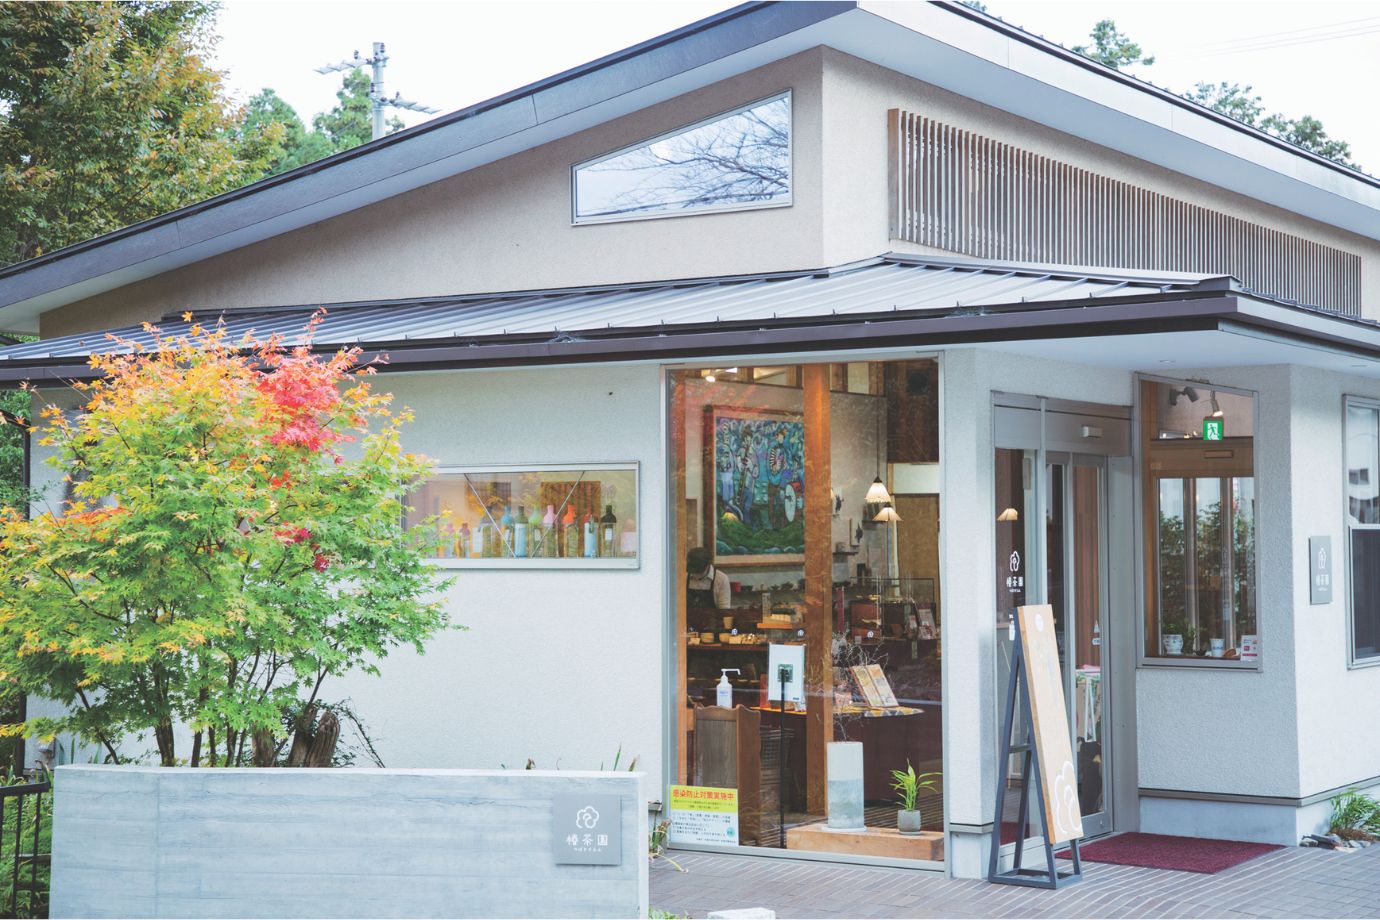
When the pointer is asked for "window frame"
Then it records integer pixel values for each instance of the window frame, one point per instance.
(1352, 660)
(594, 563)
(787, 201)
(1144, 532)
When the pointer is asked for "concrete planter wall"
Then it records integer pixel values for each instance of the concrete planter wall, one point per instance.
(154, 842)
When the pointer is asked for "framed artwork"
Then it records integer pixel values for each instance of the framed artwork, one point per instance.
(755, 470)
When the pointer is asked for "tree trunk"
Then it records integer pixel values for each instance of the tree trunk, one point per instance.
(163, 733)
(196, 749)
(301, 737)
(263, 748)
(323, 741)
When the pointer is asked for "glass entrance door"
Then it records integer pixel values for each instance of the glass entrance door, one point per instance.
(1053, 546)
(1076, 579)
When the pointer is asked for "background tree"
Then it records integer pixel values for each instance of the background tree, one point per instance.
(348, 124)
(1238, 102)
(1112, 47)
(110, 114)
(217, 557)
(1115, 49)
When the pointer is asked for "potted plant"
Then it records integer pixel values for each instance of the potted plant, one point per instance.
(1177, 636)
(908, 784)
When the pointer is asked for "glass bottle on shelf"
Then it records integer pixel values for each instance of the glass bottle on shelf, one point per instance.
(484, 538)
(627, 539)
(548, 532)
(570, 532)
(463, 541)
(608, 533)
(534, 532)
(505, 533)
(519, 532)
(591, 536)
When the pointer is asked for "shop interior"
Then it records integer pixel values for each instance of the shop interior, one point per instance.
(809, 614)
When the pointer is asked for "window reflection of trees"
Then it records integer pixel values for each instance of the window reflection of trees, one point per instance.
(741, 159)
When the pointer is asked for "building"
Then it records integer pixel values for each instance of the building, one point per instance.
(1098, 347)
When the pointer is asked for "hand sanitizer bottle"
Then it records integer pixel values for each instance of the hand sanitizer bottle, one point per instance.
(723, 693)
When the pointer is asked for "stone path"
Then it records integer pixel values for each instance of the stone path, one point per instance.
(1293, 882)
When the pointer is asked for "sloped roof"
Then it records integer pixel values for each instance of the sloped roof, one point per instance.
(946, 44)
(882, 301)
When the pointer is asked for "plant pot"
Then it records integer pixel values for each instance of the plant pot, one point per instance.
(908, 822)
(1173, 644)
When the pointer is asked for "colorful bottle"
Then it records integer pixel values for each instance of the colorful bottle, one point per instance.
(534, 532)
(546, 541)
(484, 538)
(519, 532)
(608, 533)
(463, 543)
(627, 540)
(591, 536)
(505, 533)
(570, 533)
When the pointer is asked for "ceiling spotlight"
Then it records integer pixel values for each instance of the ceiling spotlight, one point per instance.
(1216, 409)
(1192, 394)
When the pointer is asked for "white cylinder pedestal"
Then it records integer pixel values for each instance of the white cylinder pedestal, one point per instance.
(844, 763)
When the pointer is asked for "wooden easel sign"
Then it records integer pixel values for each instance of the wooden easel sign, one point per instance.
(1046, 753)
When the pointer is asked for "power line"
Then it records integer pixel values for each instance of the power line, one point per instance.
(1288, 38)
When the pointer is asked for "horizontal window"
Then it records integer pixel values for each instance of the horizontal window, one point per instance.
(534, 517)
(738, 160)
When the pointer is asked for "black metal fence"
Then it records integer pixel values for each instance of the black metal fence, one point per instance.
(26, 835)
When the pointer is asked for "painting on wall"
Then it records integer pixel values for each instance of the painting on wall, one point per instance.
(755, 469)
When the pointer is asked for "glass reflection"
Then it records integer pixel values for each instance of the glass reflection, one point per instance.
(738, 160)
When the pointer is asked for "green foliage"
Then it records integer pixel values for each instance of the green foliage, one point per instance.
(30, 895)
(291, 144)
(1354, 811)
(907, 785)
(217, 556)
(1238, 102)
(110, 114)
(351, 122)
(278, 126)
(1112, 47)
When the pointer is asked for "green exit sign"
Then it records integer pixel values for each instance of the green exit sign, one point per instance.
(1213, 429)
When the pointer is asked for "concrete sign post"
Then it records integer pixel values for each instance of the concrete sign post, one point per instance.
(1319, 570)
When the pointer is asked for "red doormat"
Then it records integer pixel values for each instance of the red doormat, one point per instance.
(1186, 854)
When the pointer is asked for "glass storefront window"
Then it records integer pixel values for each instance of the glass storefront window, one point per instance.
(532, 517)
(1200, 524)
(806, 520)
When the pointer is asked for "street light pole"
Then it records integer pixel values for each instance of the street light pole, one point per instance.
(376, 100)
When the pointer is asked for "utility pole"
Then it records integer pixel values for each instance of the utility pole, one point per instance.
(377, 100)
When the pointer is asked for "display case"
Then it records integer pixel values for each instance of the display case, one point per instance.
(573, 516)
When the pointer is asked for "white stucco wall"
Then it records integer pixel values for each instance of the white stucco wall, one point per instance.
(1336, 705)
(562, 666)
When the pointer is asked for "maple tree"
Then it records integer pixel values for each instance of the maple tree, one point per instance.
(230, 538)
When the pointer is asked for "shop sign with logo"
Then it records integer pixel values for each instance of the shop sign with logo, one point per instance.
(586, 830)
(1214, 429)
(703, 814)
(1320, 570)
(1015, 582)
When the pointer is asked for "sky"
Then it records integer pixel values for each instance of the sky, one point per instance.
(1317, 58)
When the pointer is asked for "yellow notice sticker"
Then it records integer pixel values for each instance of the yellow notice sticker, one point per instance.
(703, 814)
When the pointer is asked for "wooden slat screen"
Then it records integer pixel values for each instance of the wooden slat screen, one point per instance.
(956, 190)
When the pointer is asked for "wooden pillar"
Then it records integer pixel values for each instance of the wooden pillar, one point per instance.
(677, 446)
(819, 586)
